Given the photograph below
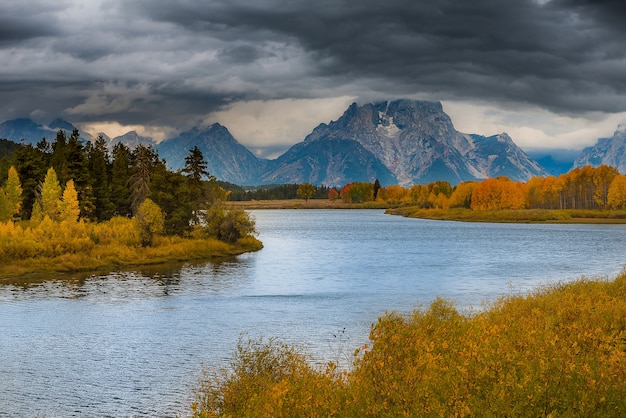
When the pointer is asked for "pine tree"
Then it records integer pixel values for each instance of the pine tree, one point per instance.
(195, 169)
(78, 170)
(120, 179)
(30, 164)
(100, 170)
(170, 192)
(58, 158)
(144, 160)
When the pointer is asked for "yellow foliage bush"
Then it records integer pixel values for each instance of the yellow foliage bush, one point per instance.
(560, 351)
(52, 246)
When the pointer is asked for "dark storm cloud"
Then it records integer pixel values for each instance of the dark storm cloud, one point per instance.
(18, 29)
(171, 62)
(565, 55)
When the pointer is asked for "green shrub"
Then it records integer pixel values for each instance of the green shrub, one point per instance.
(228, 224)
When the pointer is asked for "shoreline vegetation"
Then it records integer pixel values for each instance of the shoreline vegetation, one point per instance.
(68, 207)
(557, 351)
(564, 216)
(83, 248)
(561, 216)
(37, 249)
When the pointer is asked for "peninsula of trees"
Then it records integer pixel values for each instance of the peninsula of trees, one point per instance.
(66, 206)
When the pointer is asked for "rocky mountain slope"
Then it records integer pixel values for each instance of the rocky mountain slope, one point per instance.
(329, 161)
(402, 141)
(608, 151)
(417, 142)
(226, 158)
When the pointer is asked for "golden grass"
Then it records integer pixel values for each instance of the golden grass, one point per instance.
(302, 204)
(48, 248)
(515, 215)
(557, 352)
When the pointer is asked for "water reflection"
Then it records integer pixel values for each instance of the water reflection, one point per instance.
(223, 276)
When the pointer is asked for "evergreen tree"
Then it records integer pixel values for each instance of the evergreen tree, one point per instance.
(170, 192)
(78, 170)
(30, 164)
(120, 179)
(58, 158)
(376, 188)
(144, 160)
(195, 169)
(100, 171)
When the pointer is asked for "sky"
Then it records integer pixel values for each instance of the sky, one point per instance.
(550, 73)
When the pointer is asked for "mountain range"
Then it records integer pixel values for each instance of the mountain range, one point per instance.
(397, 142)
(608, 151)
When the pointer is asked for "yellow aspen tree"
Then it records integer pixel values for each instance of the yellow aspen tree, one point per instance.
(462, 195)
(150, 221)
(602, 178)
(50, 193)
(616, 196)
(5, 213)
(69, 208)
(13, 192)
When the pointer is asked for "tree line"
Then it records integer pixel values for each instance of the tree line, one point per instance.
(107, 183)
(587, 187)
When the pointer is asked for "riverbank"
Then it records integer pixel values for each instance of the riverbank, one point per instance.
(44, 248)
(558, 351)
(117, 257)
(515, 216)
(305, 204)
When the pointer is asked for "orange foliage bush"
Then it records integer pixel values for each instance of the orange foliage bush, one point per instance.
(560, 351)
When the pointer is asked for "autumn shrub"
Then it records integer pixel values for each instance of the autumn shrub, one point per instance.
(228, 224)
(150, 221)
(269, 379)
(559, 351)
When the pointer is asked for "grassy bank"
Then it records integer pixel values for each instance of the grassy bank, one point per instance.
(517, 215)
(304, 204)
(49, 248)
(560, 351)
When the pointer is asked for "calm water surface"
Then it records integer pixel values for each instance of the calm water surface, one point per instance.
(132, 343)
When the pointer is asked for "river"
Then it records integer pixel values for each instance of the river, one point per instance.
(132, 343)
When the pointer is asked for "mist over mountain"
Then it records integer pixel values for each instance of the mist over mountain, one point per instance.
(29, 132)
(131, 139)
(555, 161)
(608, 151)
(24, 130)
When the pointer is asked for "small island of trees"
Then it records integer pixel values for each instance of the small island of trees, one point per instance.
(68, 206)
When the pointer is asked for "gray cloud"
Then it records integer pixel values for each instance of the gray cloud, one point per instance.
(172, 62)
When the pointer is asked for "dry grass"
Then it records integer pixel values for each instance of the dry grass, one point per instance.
(302, 204)
(515, 216)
